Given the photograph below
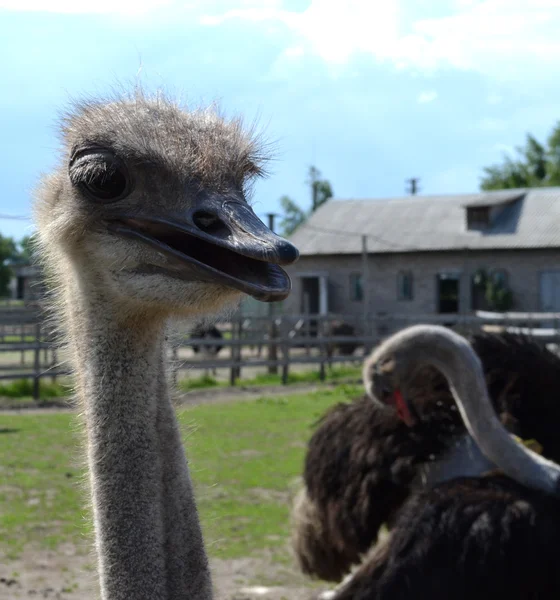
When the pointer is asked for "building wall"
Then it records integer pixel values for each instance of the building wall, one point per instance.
(522, 266)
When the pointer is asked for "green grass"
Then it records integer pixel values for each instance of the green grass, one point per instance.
(199, 383)
(15, 338)
(335, 374)
(23, 389)
(244, 459)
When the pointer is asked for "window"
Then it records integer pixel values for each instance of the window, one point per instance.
(356, 289)
(478, 217)
(500, 277)
(404, 285)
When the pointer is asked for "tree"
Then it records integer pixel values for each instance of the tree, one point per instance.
(321, 189)
(497, 293)
(535, 166)
(26, 245)
(294, 215)
(8, 251)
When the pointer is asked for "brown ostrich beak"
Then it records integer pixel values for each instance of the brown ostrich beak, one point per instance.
(218, 240)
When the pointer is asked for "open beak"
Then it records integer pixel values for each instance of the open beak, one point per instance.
(220, 240)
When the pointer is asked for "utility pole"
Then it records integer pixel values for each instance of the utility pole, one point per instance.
(272, 333)
(365, 289)
(313, 192)
(413, 186)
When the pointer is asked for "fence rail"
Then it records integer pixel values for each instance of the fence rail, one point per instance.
(29, 348)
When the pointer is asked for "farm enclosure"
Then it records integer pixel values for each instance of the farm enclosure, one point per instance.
(253, 349)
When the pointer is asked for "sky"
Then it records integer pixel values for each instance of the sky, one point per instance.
(372, 93)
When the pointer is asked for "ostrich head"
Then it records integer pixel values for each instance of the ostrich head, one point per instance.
(153, 200)
(396, 377)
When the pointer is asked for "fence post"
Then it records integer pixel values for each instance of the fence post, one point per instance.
(272, 344)
(174, 363)
(285, 351)
(22, 339)
(322, 347)
(37, 362)
(233, 353)
(239, 346)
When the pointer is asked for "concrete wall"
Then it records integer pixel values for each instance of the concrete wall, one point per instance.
(523, 268)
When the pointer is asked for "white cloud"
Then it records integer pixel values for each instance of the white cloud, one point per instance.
(76, 6)
(497, 37)
(427, 96)
(331, 28)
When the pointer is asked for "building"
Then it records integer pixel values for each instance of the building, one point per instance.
(426, 255)
(26, 283)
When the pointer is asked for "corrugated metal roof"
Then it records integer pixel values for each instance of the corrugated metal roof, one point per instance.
(529, 219)
(494, 198)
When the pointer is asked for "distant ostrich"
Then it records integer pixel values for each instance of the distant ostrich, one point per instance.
(207, 332)
(145, 219)
(363, 462)
(486, 537)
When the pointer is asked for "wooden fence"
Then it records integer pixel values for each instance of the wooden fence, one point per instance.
(30, 350)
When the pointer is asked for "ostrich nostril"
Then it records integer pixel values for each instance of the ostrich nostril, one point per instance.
(210, 224)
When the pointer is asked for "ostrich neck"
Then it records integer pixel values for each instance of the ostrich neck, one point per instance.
(148, 537)
(457, 361)
(463, 459)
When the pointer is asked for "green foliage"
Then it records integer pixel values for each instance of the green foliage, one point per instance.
(23, 388)
(321, 189)
(294, 215)
(498, 295)
(198, 383)
(27, 248)
(535, 166)
(333, 374)
(8, 252)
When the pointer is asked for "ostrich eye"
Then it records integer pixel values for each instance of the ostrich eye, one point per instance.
(107, 185)
(100, 175)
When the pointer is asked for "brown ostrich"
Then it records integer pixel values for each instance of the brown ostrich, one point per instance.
(490, 536)
(363, 462)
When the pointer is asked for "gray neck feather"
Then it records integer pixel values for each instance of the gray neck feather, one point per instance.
(463, 459)
(455, 358)
(148, 538)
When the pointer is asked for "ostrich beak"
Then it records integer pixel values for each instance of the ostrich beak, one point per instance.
(221, 240)
(407, 413)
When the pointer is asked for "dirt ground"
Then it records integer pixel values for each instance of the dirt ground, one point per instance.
(69, 572)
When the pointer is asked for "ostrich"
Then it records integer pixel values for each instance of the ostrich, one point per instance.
(486, 537)
(205, 332)
(146, 219)
(363, 462)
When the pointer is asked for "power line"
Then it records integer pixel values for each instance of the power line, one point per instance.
(357, 234)
(15, 217)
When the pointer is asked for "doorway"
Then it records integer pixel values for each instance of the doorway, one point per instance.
(309, 295)
(448, 293)
(20, 288)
